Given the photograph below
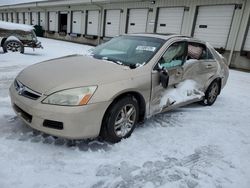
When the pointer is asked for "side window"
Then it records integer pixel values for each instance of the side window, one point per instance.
(198, 51)
(209, 54)
(174, 56)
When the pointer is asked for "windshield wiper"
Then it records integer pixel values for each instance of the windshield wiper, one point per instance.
(132, 66)
(113, 60)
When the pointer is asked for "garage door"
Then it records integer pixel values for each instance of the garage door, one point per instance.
(9, 17)
(92, 22)
(137, 20)
(6, 17)
(52, 21)
(170, 20)
(77, 22)
(27, 18)
(34, 18)
(213, 24)
(14, 17)
(112, 23)
(247, 41)
(42, 20)
(20, 18)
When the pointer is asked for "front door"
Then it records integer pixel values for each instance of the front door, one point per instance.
(172, 60)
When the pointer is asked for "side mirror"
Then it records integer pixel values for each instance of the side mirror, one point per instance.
(164, 77)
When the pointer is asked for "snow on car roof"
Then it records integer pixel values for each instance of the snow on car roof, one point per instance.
(15, 26)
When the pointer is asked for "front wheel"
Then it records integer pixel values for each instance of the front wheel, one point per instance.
(120, 119)
(13, 46)
(211, 93)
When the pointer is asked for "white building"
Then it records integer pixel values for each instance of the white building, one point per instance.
(224, 23)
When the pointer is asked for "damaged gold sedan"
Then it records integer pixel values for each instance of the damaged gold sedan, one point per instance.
(122, 82)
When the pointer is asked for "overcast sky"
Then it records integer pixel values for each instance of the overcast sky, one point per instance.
(9, 2)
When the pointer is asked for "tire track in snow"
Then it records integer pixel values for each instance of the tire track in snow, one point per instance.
(186, 172)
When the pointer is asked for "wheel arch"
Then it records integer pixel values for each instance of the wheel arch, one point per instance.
(139, 98)
(3, 41)
(217, 79)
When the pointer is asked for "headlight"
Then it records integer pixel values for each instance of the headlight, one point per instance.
(71, 97)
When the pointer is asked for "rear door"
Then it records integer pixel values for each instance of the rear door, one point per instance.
(200, 68)
(172, 60)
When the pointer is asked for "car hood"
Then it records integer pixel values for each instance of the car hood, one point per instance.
(72, 71)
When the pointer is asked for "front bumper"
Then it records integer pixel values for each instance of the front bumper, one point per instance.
(78, 122)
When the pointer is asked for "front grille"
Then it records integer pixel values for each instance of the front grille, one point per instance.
(23, 114)
(25, 91)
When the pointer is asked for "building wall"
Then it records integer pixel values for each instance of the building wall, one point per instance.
(235, 41)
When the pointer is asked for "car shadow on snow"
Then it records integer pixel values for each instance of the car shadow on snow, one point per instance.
(32, 54)
(14, 129)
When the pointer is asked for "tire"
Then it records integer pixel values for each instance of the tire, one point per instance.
(13, 46)
(211, 94)
(120, 120)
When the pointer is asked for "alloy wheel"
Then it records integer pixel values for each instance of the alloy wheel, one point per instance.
(125, 120)
(13, 47)
(214, 90)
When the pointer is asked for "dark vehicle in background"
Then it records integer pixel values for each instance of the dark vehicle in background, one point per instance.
(15, 37)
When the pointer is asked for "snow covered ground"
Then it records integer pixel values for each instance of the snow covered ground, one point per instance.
(193, 146)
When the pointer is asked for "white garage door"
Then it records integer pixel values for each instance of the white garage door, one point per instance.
(137, 20)
(247, 41)
(213, 24)
(112, 23)
(77, 22)
(42, 20)
(9, 17)
(92, 22)
(34, 18)
(52, 21)
(14, 17)
(20, 18)
(170, 20)
(27, 18)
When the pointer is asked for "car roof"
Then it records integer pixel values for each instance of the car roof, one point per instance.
(166, 36)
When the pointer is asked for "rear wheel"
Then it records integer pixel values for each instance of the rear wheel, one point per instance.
(13, 46)
(120, 119)
(211, 93)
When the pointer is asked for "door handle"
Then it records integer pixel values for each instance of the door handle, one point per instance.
(209, 66)
(178, 73)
